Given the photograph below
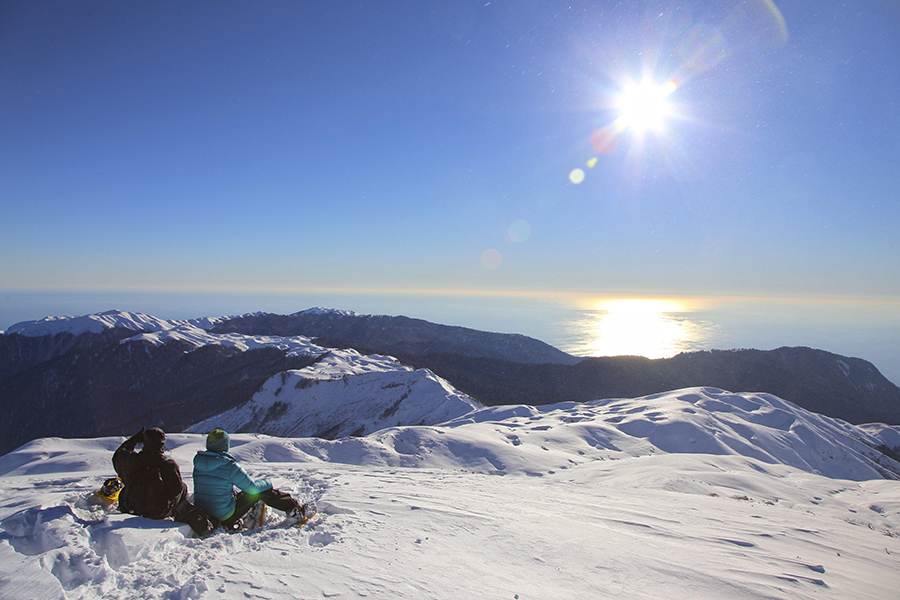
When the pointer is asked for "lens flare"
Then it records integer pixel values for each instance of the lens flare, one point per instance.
(576, 176)
(605, 139)
(702, 48)
(491, 259)
(518, 232)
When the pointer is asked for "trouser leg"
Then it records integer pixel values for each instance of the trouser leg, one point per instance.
(186, 512)
(275, 498)
(279, 500)
(242, 505)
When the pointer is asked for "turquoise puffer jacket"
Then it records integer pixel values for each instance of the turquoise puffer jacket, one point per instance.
(215, 475)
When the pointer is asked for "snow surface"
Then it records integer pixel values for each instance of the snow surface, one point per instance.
(372, 391)
(197, 337)
(656, 497)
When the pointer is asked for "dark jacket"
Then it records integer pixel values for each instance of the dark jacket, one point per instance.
(153, 486)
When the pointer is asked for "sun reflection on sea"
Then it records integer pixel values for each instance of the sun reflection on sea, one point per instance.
(653, 328)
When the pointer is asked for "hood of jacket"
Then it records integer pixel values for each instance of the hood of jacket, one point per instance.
(208, 461)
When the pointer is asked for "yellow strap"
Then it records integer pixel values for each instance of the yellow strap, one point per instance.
(113, 497)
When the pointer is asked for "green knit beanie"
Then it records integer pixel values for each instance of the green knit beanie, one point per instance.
(218, 441)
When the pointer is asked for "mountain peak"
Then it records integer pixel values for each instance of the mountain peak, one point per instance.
(319, 310)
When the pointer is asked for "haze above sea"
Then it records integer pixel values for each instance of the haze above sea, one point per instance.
(581, 324)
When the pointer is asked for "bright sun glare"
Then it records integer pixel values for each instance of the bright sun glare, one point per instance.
(645, 106)
(642, 107)
(639, 327)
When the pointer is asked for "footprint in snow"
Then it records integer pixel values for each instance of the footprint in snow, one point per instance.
(321, 539)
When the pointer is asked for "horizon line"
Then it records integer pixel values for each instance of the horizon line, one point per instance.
(562, 296)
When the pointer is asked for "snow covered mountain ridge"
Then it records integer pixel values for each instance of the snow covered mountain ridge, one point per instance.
(149, 373)
(338, 397)
(156, 331)
(111, 319)
(97, 323)
(513, 369)
(267, 373)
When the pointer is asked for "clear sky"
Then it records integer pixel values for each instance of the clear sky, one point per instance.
(426, 145)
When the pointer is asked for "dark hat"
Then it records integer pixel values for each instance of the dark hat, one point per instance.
(218, 441)
(154, 439)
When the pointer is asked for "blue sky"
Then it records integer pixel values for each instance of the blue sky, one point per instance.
(425, 145)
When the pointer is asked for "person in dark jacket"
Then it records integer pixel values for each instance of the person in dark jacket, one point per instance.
(217, 473)
(153, 485)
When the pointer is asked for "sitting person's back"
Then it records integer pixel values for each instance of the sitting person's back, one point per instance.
(153, 485)
(215, 476)
(217, 473)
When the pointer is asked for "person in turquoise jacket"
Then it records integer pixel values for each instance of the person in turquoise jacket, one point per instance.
(217, 473)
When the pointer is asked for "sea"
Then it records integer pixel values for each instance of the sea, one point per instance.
(580, 324)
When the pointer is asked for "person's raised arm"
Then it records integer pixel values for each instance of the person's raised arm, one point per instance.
(125, 450)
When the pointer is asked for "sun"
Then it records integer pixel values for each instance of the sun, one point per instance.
(644, 106)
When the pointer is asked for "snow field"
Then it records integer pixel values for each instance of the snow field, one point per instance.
(692, 494)
(643, 527)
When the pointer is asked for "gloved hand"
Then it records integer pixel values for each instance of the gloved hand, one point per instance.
(261, 485)
(138, 438)
(129, 444)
